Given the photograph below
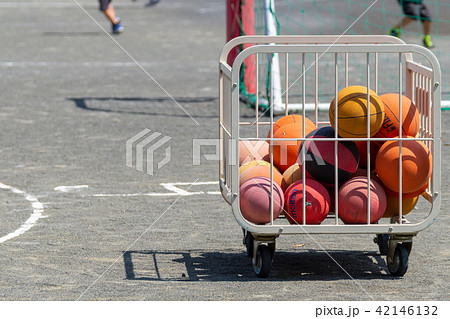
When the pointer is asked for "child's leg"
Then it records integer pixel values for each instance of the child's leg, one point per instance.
(405, 21)
(426, 27)
(111, 14)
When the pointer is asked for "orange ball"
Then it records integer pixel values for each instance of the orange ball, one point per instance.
(249, 151)
(408, 195)
(289, 119)
(352, 112)
(285, 153)
(416, 165)
(246, 165)
(392, 208)
(260, 171)
(410, 117)
(291, 175)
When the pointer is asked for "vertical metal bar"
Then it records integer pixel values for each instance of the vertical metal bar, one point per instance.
(346, 69)
(418, 104)
(316, 86)
(400, 164)
(336, 117)
(303, 131)
(376, 73)
(286, 84)
(271, 147)
(368, 136)
(430, 113)
(257, 94)
(430, 144)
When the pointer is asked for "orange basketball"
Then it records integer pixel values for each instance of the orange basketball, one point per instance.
(249, 151)
(410, 117)
(392, 208)
(289, 119)
(246, 165)
(408, 195)
(260, 171)
(352, 112)
(285, 152)
(416, 165)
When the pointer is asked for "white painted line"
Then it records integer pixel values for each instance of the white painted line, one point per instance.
(175, 191)
(135, 195)
(66, 189)
(197, 183)
(38, 209)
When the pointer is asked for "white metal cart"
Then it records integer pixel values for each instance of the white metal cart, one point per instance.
(418, 82)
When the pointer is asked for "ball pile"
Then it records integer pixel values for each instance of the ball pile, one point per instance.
(305, 173)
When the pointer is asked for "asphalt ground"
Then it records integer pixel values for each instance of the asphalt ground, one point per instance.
(70, 98)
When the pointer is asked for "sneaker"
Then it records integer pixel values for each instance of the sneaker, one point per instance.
(395, 32)
(117, 28)
(427, 43)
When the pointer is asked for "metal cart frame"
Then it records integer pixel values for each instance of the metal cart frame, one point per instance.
(422, 86)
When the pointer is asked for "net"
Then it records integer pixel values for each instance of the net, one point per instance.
(350, 17)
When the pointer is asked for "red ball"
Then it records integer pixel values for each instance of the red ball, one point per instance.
(352, 201)
(317, 202)
(255, 200)
(362, 150)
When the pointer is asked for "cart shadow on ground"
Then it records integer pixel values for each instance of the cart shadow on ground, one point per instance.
(158, 106)
(197, 265)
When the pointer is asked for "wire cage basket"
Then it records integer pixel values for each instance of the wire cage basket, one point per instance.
(343, 61)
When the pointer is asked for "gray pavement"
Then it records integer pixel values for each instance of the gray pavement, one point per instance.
(71, 97)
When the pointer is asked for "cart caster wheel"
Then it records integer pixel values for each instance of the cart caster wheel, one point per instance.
(398, 265)
(383, 243)
(263, 261)
(249, 244)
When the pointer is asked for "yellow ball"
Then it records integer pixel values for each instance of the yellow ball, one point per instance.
(352, 112)
(244, 166)
(392, 205)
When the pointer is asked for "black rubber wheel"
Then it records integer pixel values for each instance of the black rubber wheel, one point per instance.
(263, 261)
(399, 265)
(249, 244)
(383, 243)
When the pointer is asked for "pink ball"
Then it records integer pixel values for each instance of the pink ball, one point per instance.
(317, 202)
(255, 200)
(353, 201)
